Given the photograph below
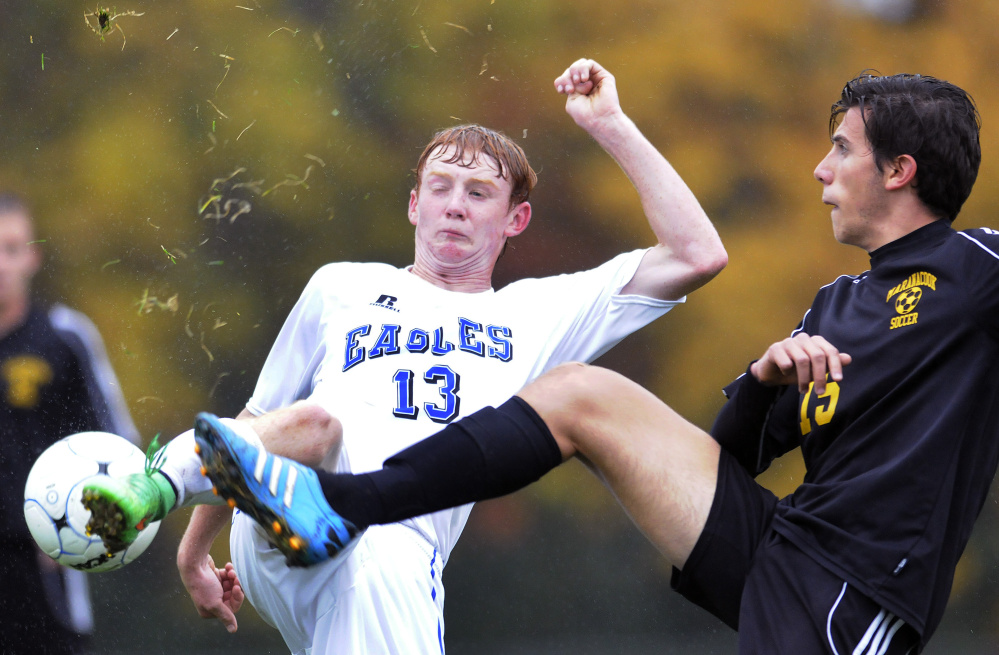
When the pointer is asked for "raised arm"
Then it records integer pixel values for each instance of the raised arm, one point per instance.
(689, 252)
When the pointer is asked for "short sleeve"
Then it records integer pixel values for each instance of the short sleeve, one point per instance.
(287, 374)
(596, 316)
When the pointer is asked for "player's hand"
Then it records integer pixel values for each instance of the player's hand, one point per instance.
(216, 592)
(232, 591)
(591, 91)
(801, 359)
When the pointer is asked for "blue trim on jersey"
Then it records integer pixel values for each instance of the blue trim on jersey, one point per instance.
(433, 597)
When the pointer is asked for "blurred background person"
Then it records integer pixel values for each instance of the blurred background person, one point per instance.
(55, 380)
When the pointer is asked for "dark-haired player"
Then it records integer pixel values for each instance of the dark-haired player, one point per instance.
(889, 385)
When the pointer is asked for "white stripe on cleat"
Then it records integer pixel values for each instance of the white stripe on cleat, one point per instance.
(289, 486)
(258, 473)
(275, 475)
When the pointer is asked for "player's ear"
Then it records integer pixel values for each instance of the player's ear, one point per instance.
(35, 259)
(520, 216)
(413, 214)
(900, 172)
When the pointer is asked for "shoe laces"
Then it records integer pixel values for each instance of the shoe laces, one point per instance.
(155, 456)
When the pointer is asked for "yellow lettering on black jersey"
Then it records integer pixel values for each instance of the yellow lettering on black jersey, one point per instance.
(25, 376)
(907, 295)
(921, 279)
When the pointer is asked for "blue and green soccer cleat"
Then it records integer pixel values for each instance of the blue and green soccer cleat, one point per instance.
(281, 495)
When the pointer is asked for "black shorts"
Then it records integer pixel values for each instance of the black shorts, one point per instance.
(779, 599)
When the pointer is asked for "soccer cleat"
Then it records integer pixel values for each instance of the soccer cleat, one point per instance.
(281, 495)
(122, 507)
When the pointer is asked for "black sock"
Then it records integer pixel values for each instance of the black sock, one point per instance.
(490, 453)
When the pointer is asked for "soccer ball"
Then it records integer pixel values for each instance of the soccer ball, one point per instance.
(53, 505)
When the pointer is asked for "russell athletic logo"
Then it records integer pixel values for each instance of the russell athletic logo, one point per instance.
(386, 301)
(907, 295)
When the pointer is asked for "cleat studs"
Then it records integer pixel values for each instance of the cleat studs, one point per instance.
(215, 490)
(276, 527)
(204, 471)
(295, 543)
(197, 448)
(231, 503)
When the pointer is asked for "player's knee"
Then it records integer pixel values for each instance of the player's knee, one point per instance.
(584, 381)
(572, 389)
(323, 423)
(312, 417)
(323, 431)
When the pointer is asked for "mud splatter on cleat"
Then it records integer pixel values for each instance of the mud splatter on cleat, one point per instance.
(122, 507)
(281, 495)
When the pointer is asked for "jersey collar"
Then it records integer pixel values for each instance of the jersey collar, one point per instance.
(914, 241)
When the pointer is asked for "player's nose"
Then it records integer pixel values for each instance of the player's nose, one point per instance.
(455, 206)
(823, 172)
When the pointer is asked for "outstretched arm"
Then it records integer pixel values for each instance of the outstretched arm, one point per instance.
(689, 252)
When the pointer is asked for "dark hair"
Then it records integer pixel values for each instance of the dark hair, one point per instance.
(477, 140)
(11, 203)
(932, 120)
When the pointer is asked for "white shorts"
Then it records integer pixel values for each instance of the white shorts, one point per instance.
(387, 597)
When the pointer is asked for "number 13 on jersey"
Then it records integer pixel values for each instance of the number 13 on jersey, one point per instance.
(448, 384)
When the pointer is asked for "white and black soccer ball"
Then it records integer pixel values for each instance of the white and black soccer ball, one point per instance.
(53, 507)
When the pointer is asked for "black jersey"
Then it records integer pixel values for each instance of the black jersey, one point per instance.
(900, 454)
(54, 381)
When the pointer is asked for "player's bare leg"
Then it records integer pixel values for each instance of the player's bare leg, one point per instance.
(662, 468)
(121, 507)
(304, 432)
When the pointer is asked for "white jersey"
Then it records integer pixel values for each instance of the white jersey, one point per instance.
(396, 358)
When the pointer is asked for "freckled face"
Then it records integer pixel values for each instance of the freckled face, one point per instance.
(852, 184)
(462, 213)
